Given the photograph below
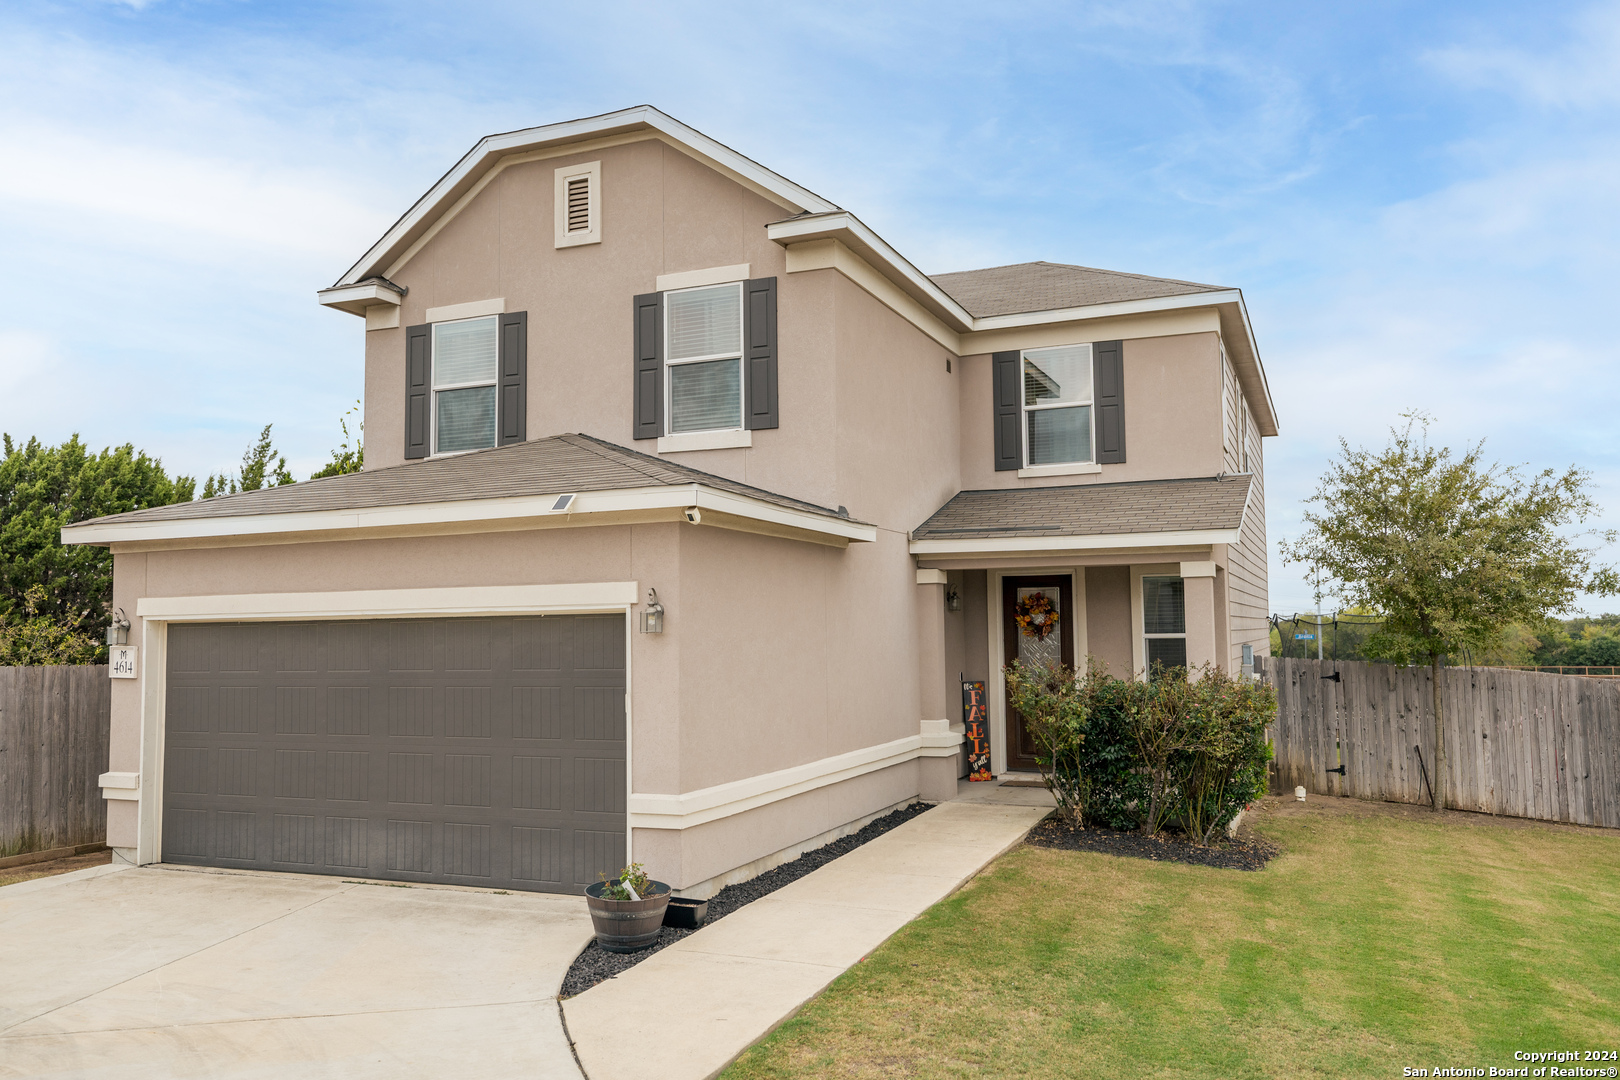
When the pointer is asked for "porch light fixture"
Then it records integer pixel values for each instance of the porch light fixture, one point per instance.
(652, 620)
(118, 632)
(953, 598)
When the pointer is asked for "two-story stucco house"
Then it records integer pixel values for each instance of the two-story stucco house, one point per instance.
(612, 357)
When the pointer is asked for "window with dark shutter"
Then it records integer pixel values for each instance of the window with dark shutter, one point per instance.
(759, 357)
(1009, 437)
(418, 387)
(1108, 392)
(648, 418)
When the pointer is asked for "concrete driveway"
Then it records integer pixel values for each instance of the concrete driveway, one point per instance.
(150, 972)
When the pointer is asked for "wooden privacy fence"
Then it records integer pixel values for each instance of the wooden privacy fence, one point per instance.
(54, 725)
(1518, 743)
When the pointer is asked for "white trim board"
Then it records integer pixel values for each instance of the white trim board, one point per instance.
(476, 515)
(1056, 544)
(725, 800)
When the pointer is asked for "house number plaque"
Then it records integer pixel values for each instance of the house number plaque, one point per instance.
(121, 662)
(976, 724)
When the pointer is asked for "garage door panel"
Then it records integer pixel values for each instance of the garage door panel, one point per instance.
(415, 750)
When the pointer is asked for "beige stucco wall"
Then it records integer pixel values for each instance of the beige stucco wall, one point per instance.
(1172, 416)
(1108, 617)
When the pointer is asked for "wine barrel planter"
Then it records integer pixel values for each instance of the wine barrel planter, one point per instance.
(627, 925)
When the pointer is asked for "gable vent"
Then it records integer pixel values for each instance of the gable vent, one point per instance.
(579, 204)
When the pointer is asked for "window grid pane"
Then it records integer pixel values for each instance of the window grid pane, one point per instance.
(464, 352)
(705, 322)
(705, 396)
(1166, 652)
(466, 419)
(1059, 436)
(1058, 376)
(1164, 606)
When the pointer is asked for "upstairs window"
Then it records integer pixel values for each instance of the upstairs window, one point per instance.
(703, 332)
(1057, 405)
(465, 364)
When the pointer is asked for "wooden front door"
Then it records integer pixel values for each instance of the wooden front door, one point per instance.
(1057, 645)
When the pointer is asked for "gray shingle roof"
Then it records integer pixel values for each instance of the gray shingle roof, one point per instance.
(1046, 286)
(1145, 506)
(554, 465)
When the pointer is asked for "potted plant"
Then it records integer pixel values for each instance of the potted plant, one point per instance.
(627, 910)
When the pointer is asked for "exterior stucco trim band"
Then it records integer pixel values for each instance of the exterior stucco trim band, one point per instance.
(723, 800)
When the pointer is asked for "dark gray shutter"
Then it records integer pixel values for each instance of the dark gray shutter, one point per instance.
(1108, 393)
(514, 367)
(649, 395)
(418, 388)
(759, 353)
(1009, 418)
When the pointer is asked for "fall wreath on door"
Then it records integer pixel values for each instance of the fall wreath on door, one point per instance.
(1036, 616)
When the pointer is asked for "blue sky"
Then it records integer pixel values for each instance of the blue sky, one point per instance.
(1421, 202)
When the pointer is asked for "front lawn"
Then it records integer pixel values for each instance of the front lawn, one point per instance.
(1381, 938)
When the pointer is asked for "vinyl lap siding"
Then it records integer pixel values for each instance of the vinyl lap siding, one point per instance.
(1247, 567)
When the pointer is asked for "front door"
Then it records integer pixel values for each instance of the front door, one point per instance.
(1043, 637)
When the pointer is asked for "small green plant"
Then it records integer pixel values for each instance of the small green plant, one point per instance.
(613, 886)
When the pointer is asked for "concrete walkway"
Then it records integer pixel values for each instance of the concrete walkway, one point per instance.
(158, 973)
(687, 1011)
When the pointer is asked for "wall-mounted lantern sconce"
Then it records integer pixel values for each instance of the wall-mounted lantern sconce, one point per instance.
(652, 620)
(953, 598)
(118, 632)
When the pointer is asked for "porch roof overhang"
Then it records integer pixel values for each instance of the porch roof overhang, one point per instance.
(1148, 517)
(509, 488)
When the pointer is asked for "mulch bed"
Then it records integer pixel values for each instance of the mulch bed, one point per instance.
(1242, 853)
(596, 964)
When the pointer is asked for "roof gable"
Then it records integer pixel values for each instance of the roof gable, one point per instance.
(493, 152)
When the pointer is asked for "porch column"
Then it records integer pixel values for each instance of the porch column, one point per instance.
(1198, 581)
(937, 761)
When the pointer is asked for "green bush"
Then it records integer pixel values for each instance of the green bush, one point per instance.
(1130, 754)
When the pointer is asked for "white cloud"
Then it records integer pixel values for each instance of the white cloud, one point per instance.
(1582, 73)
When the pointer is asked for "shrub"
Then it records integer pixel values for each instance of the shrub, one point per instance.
(1052, 703)
(1130, 754)
(1221, 765)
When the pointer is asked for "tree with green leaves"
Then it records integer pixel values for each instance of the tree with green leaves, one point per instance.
(346, 458)
(43, 488)
(31, 638)
(1449, 550)
(261, 465)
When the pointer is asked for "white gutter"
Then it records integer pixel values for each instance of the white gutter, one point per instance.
(1109, 310)
(469, 512)
(1045, 544)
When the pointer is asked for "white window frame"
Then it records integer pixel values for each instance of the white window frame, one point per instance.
(434, 387)
(593, 235)
(1090, 403)
(671, 364)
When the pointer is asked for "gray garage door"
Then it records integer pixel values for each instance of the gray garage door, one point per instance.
(469, 751)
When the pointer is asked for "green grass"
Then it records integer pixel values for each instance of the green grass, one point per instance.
(1373, 943)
